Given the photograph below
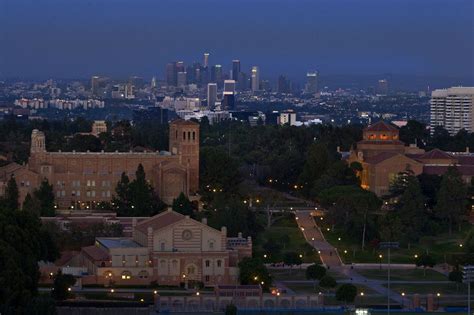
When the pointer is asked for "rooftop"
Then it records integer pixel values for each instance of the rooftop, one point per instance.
(117, 242)
(381, 126)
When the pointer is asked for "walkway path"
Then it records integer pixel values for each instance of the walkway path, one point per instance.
(331, 259)
(315, 237)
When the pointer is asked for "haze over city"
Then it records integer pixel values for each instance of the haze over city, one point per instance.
(117, 38)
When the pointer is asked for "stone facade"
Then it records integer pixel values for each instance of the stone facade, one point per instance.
(169, 248)
(84, 179)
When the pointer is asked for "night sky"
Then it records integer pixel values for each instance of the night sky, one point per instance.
(78, 38)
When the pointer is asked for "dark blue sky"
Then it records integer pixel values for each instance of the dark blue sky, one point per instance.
(78, 38)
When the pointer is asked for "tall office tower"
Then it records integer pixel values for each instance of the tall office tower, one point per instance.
(235, 70)
(190, 75)
(95, 81)
(229, 86)
(228, 98)
(181, 79)
(453, 109)
(255, 78)
(180, 66)
(206, 60)
(284, 85)
(153, 83)
(382, 87)
(216, 75)
(243, 82)
(171, 74)
(311, 86)
(211, 95)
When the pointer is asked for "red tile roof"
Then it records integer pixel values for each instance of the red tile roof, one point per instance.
(160, 221)
(466, 170)
(96, 253)
(381, 126)
(381, 142)
(380, 157)
(436, 154)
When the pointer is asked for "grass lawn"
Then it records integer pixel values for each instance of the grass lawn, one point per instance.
(444, 289)
(402, 274)
(300, 274)
(308, 288)
(297, 243)
(441, 247)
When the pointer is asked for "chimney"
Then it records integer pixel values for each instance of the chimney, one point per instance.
(239, 235)
(224, 231)
(467, 149)
(204, 221)
(338, 149)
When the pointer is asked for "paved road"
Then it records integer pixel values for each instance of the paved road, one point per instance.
(315, 237)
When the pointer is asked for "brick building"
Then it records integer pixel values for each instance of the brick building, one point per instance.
(169, 248)
(84, 179)
(383, 157)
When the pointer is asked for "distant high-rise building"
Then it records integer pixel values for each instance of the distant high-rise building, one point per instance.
(453, 109)
(229, 86)
(181, 79)
(153, 83)
(211, 95)
(284, 85)
(255, 79)
(216, 75)
(180, 66)
(382, 87)
(228, 99)
(95, 81)
(172, 74)
(206, 60)
(235, 70)
(243, 82)
(312, 79)
(287, 117)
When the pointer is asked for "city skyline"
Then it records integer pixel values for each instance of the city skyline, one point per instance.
(314, 35)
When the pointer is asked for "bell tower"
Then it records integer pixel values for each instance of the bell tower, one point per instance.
(184, 141)
(38, 142)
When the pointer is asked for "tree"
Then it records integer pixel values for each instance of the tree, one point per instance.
(469, 242)
(62, 284)
(456, 276)
(425, 260)
(31, 204)
(272, 247)
(327, 282)
(315, 272)
(291, 259)
(253, 271)
(45, 196)
(122, 197)
(136, 198)
(231, 309)
(451, 199)
(11, 194)
(183, 205)
(218, 170)
(411, 209)
(346, 293)
(317, 161)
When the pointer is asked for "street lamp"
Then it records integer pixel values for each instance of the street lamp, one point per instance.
(437, 299)
(380, 257)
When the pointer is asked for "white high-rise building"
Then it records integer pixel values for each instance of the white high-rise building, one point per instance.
(255, 79)
(206, 60)
(453, 108)
(211, 95)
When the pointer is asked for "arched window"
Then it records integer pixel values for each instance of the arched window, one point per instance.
(194, 135)
(189, 135)
(184, 135)
(143, 274)
(208, 263)
(219, 263)
(126, 275)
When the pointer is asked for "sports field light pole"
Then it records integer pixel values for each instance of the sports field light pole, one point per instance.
(388, 246)
(467, 272)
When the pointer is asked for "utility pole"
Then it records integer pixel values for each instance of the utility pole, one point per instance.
(388, 246)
